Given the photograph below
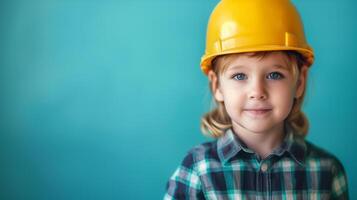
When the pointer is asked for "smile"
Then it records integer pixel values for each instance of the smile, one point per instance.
(257, 112)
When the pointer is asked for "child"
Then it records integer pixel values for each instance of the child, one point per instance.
(257, 60)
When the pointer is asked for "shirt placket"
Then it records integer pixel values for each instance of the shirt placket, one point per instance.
(263, 181)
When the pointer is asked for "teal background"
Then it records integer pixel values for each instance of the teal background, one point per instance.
(102, 99)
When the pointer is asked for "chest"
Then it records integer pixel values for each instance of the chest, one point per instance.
(281, 180)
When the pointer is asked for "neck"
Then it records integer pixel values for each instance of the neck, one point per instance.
(263, 143)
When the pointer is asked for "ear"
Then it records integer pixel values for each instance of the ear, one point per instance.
(212, 76)
(300, 88)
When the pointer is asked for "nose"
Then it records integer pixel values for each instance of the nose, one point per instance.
(258, 90)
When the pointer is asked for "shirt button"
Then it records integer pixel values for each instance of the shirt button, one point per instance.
(264, 167)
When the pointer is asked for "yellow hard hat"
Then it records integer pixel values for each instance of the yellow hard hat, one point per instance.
(237, 26)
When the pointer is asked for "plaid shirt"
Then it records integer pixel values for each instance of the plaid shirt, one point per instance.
(227, 169)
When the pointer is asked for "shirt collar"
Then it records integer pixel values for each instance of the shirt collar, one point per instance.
(230, 145)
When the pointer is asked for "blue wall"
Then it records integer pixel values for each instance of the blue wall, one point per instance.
(102, 99)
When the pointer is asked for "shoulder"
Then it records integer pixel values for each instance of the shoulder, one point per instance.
(186, 183)
(325, 159)
(330, 169)
(203, 152)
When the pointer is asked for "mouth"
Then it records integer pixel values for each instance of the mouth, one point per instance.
(257, 112)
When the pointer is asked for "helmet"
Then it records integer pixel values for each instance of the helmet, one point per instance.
(237, 26)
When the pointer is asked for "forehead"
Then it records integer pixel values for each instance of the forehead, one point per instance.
(267, 59)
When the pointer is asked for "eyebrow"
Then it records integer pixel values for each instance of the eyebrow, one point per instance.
(279, 66)
(235, 67)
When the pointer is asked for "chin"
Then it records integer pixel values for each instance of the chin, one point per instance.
(256, 127)
(257, 130)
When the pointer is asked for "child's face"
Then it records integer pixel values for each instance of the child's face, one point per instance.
(258, 93)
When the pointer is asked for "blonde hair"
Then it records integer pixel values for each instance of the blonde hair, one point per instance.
(217, 121)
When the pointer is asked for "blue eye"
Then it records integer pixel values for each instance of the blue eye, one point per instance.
(275, 76)
(240, 76)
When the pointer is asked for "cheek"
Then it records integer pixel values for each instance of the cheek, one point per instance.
(285, 99)
(234, 104)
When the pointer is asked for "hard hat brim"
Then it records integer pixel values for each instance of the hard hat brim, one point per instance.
(307, 53)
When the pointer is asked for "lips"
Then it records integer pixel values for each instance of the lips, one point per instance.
(258, 111)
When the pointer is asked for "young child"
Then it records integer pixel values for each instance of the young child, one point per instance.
(257, 60)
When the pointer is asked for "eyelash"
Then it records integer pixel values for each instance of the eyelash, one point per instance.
(280, 76)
